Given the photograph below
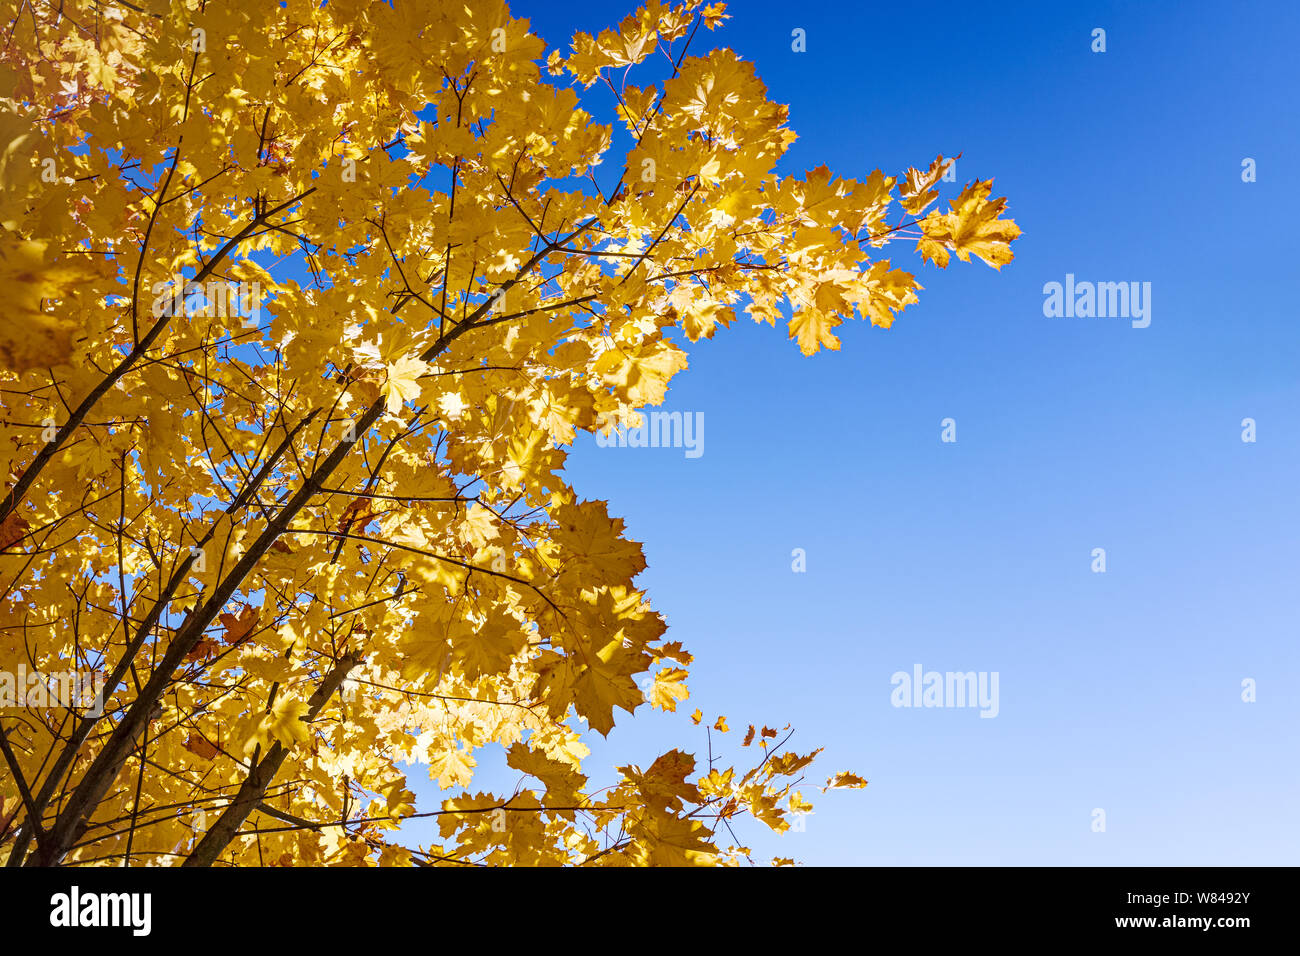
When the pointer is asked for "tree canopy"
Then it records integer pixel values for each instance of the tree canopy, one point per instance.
(303, 304)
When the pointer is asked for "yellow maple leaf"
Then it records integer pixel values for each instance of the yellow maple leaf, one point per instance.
(283, 723)
(403, 382)
(812, 327)
(972, 227)
(844, 780)
(714, 14)
(917, 190)
(563, 783)
(451, 767)
(665, 840)
(605, 683)
(668, 688)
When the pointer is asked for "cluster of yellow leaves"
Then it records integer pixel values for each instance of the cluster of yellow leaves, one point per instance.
(32, 270)
(372, 464)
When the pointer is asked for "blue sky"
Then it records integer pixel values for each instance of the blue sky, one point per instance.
(1119, 690)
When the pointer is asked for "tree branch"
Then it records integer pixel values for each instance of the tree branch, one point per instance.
(259, 778)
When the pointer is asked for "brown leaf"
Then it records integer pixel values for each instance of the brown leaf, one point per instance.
(238, 628)
(12, 530)
(355, 516)
(204, 649)
(200, 747)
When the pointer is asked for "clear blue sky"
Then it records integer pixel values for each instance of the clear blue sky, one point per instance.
(1121, 690)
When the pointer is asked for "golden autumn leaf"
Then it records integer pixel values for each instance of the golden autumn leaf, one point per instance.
(452, 767)
(972, 227)
(918, 189)
(714, 14)
(845, 780)
(402, 383)
(812, 327)
(283, 723)
(662, 839)
(668, 688)
(563, 783)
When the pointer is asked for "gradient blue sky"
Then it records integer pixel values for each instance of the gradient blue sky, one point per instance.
(1121, 690)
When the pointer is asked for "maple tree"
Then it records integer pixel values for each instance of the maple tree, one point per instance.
(316, 544)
